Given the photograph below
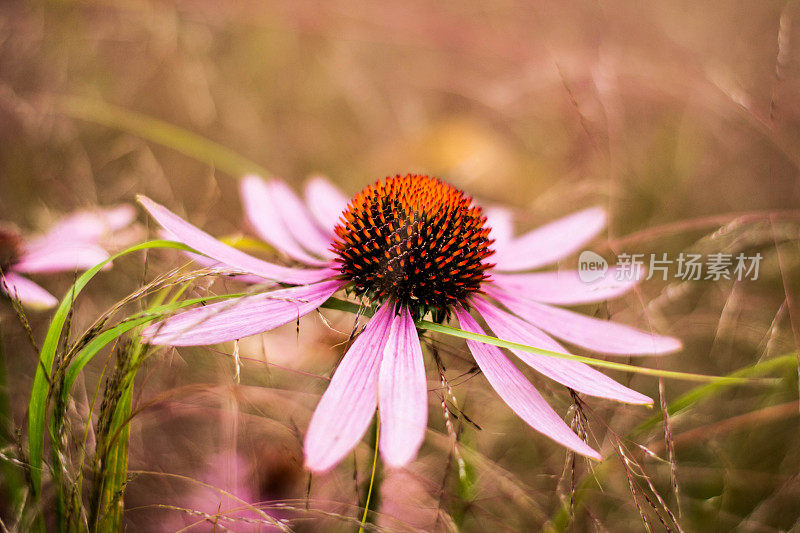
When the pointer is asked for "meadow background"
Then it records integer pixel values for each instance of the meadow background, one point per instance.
(681, 118)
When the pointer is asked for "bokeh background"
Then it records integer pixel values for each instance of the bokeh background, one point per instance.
(681, 118)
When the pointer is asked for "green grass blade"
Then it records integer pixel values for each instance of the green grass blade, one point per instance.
(118, 463)
(97, 344)
(41, 382)
(702, 392)
(561, 518)
(342, 305)
(160, 132)
(110, 335)
(12, 482)
(115, 473)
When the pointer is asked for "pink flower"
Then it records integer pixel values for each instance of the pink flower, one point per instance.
(229, 496)
(413, 245)
(72, 244)
(225, 493)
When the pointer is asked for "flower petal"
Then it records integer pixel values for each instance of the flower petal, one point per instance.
(326, 202)
(239, 317)
(518, 393)
(565, 287)
(573, 374)
(500, 220)
(598, 335)
(265, 214)
(551, 242)
(60, 258)
(402, 393)
(29, 293)
(212, 264)
(119, 217)
(85, 227)
(299, 221)
(208, 245)
(346, 409)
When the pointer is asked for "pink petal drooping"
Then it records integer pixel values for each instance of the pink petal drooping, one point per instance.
(601, 336)
(402, 393)
(551, 242)
(348, 405)
(573, 374)
(26, 291)
(518, 393)
(215, 249)
(565, 287)
(239, 317)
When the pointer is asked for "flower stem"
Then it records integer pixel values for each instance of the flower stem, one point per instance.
(350, 307)
(373, 477)
(12, 481)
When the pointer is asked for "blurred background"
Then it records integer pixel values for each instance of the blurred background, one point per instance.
(681, 118)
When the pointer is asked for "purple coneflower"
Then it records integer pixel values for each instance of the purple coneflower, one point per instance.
(72, 244)
(413, 245)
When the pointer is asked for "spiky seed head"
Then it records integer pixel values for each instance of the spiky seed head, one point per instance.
(416, 240)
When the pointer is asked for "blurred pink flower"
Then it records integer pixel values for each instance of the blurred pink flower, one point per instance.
(224, 497)
(413, 244)
(72, 244)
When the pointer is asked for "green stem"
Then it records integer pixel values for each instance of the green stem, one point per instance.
(159, 132)
(37, 406)
(373, 476)
(5, 409)
(12, 478)
(561, 519)
(350, 307)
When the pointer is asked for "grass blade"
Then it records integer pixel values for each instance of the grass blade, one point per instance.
(41, 383)
(160, 132)
(342, 305)
(697, 394)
